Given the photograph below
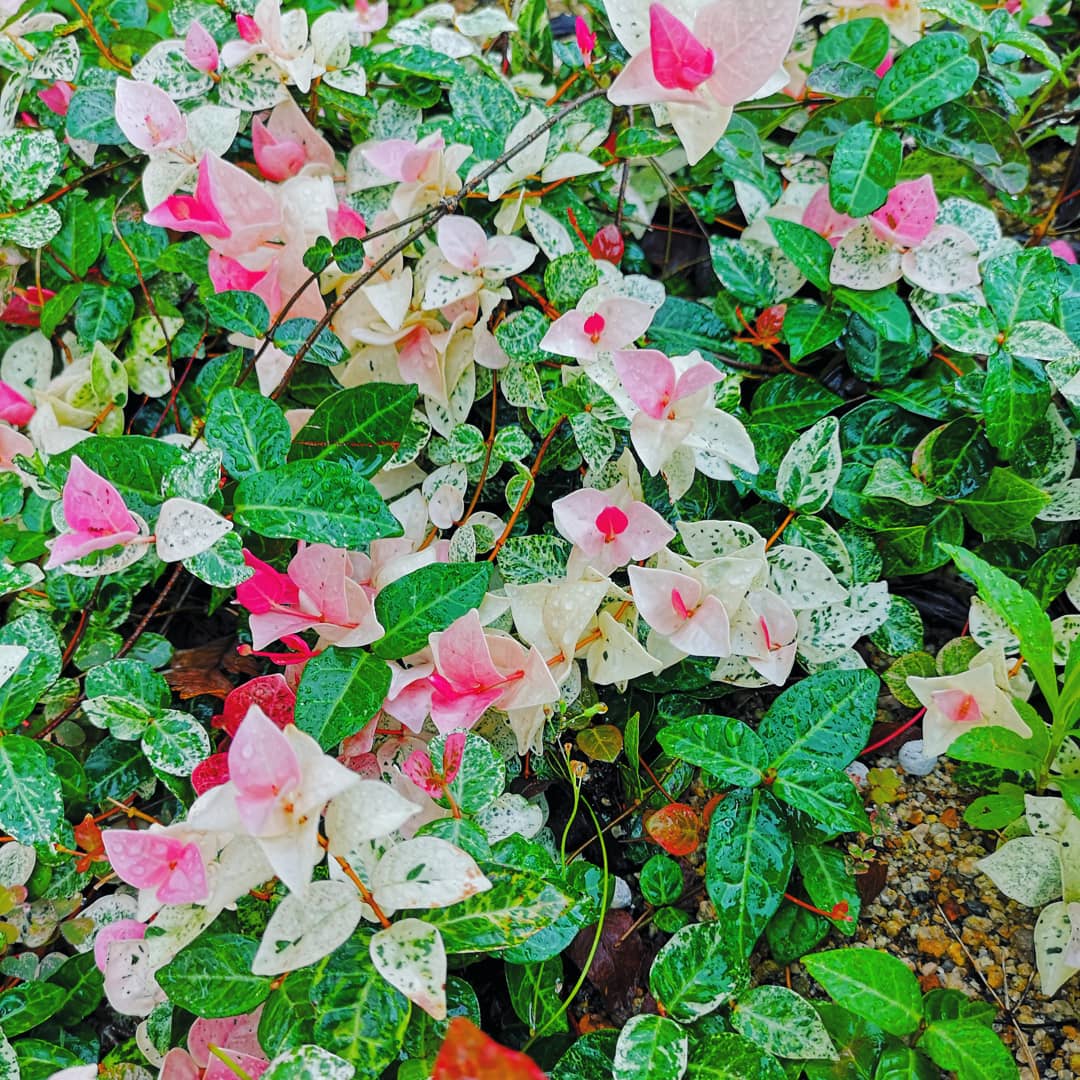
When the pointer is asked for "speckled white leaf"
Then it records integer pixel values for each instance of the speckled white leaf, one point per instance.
(307, 927)
(1064, 502)
(945, 262)
(809, 470)
(60, 61)
(167, 68)
(1066, 629)
(714, 539)
(1026, 869)
(802, 579)
(1045, 815)
(967, 328)
(365, 811)
(32, 229)
(186, 528)
(863, 260)
(28, 361)
(309, 1063)
(550, 234)
(1052, 933)
(509, 814)
(255, 84)
(979, 222)
(411, 957)
(426, 872)
(1040, 340)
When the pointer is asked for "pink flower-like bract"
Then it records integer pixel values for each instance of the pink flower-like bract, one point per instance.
(152, 860)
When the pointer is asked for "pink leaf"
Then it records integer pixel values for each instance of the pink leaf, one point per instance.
(679, 60)
(14, 408)
(648, 377)
(121, 930)
(148, 117)
(57, 98)
(262, 765)
(200, 48)
(197, 213)
(419, 768)
(463, 242)
(909, 213)
(277, 159)
(150, 860)
(265, 588)
(270, 692)
(211, 773)
(453, 754)
(345, 221)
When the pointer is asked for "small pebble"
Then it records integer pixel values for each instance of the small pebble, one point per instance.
(622, 897)
(914, 761)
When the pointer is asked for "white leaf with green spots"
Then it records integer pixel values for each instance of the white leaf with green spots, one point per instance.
(425, 872)
(308, 926)
(29, 159)
(175, 743)
(167, 68)
(802, 579)
(411, 957)
(1041, 340)
(309, 1063)
(1026, 869)
(31, 805)
(1064, 502)
(186, 528)
(1052, 933)
(32, 229)
(651, 1048)
(811, 467)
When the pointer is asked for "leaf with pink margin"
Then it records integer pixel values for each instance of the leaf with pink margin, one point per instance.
(648, 377)
(262, 765)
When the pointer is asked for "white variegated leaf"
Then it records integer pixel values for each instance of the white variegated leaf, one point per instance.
(411, 957)
(425, 872)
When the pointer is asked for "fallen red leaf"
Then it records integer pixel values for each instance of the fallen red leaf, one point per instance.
(468, 1054)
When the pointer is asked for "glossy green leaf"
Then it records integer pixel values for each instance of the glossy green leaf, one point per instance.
(932, 71)
(651, 1048)
(872, 984)
(697, 971)
(721, 745)
(781, 1022)
(31, 806)
(864, 168)
(250, 431)
(340, 691)
(212, 976)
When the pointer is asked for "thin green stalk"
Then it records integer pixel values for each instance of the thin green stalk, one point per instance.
(576, 988)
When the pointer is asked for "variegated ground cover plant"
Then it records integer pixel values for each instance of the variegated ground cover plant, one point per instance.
(560, 419)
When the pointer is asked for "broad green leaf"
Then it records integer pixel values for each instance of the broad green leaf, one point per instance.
(29, 159)
(729, 1056)
(30, 643)
(792, 401)
(934, 70)
(744, 270)
(326, 347)
(697, 971)
(239, 311)
(425, 602)
(103, 313)
(340, 691)
(1021, 612)
(721, 745)
(661, 880)
(822, 721)
(592, 1057)
(748, 862)
(481, 776)
(872, 984)
(1022, 286)
(1015, 396)
(808, 328)
(175, 742)
(212, 976)
(827, 795)
(970, 1049)
(860, 41)
(361, 427)
(781, 1022)
(651, 1048)
(883, 310)
(534, 994)
(954, 460)
(319, 501)
(359, 1015)
(31, 806)
(24, 1007)
(965, 328)
(809, 251)
(828, 882)
(250, 431)
(1003, 505)
(864, 169)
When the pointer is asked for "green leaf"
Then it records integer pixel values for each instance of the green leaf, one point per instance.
(1015, 397)
(250, 431)
(744, 271)
(781, 1022)
(591, 1057)
(239, 312)
(326, 349)
(527, 560)
(954, 460)
(361, 427)
(728, 1056)
(883, 310)
(661, 880)
(481, 776)
(359, 1016)
(748, 863)
(83, 987)
(319, 501)
(808, 328)
(24, 1007)
(721, 745)
(29, 159)
(115, 769)
(823, 721)
(872, 984)
(860, 41)
(792, 401)
(936, 69)
(808, 250)
(864, 168)
(828, 882)
(1004, 504)
(425, 602)
(970, 1049)
(212, 976)
(651, 1048)
(103, 312)
(31, 805)
(175, 743)
(517, 906)
(1021, 612)
(340, 691)
(568, 277)
(697, 971)
(904, 1063)
(827, 795)
(1022, 286)
(38, 669)
(965, 328)
(534, 994)
(1005, 749)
